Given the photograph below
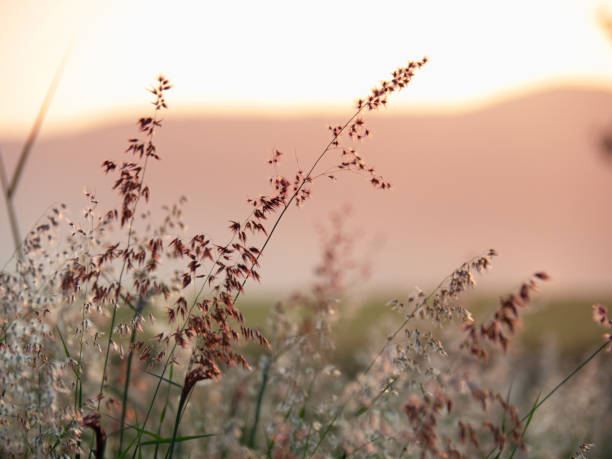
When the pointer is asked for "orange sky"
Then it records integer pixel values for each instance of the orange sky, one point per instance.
(296, 56)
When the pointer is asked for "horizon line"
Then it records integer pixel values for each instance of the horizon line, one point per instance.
(74, 124)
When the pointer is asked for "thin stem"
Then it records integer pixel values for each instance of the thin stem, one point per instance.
(128, 372)
(9, 190)
(163, 413)
(177, 421)
(10, 207)
(126, 386)
(264, 382)
(80, 361)
(27, 148)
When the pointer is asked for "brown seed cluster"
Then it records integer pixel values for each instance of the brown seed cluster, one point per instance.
(467, 432)
(284, 189)
(423, 413)
(400, 79)
(130, 181)
(600, 315)
(490, 430)
(214, 322)
(505, 321)
(357, 130)
(131, 188)
(501, 435)
(352, 161)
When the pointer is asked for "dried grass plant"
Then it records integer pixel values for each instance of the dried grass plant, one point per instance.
(121, 339)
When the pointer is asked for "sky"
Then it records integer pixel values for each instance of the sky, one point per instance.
(294, 57)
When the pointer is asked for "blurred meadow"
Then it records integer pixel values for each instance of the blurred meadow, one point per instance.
(423, 292)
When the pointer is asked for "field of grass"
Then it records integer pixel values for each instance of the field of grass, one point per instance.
(127, 337)
(565, 321)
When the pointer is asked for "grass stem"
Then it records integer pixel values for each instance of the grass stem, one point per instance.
(264, 382)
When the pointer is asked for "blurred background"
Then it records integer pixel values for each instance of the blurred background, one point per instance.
(499, 142)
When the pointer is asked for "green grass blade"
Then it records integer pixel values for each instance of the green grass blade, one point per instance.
(166, 380)
(531, 413)
(176, 440)
(67, 352)
(162, 416)
(141, 432)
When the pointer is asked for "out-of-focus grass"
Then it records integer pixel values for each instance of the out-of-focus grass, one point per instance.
(565, 321)
(569, 322)
(562, 321)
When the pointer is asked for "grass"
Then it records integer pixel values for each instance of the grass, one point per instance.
(126, 337)
(563, 320)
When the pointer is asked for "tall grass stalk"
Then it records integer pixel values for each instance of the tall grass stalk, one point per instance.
(378, 97)
(128, 372)
(111, 328)
(258, 405)
(295, 194)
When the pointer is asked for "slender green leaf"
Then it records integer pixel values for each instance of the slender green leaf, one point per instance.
(531, 413)
(141, 432)
(164, 379)
(176, 440)
(67, 352)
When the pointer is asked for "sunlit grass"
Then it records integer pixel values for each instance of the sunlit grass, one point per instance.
(128, 337)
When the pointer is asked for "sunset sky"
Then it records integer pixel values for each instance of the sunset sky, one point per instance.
(259, 57)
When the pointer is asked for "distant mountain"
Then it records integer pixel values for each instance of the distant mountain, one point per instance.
(525, 176)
